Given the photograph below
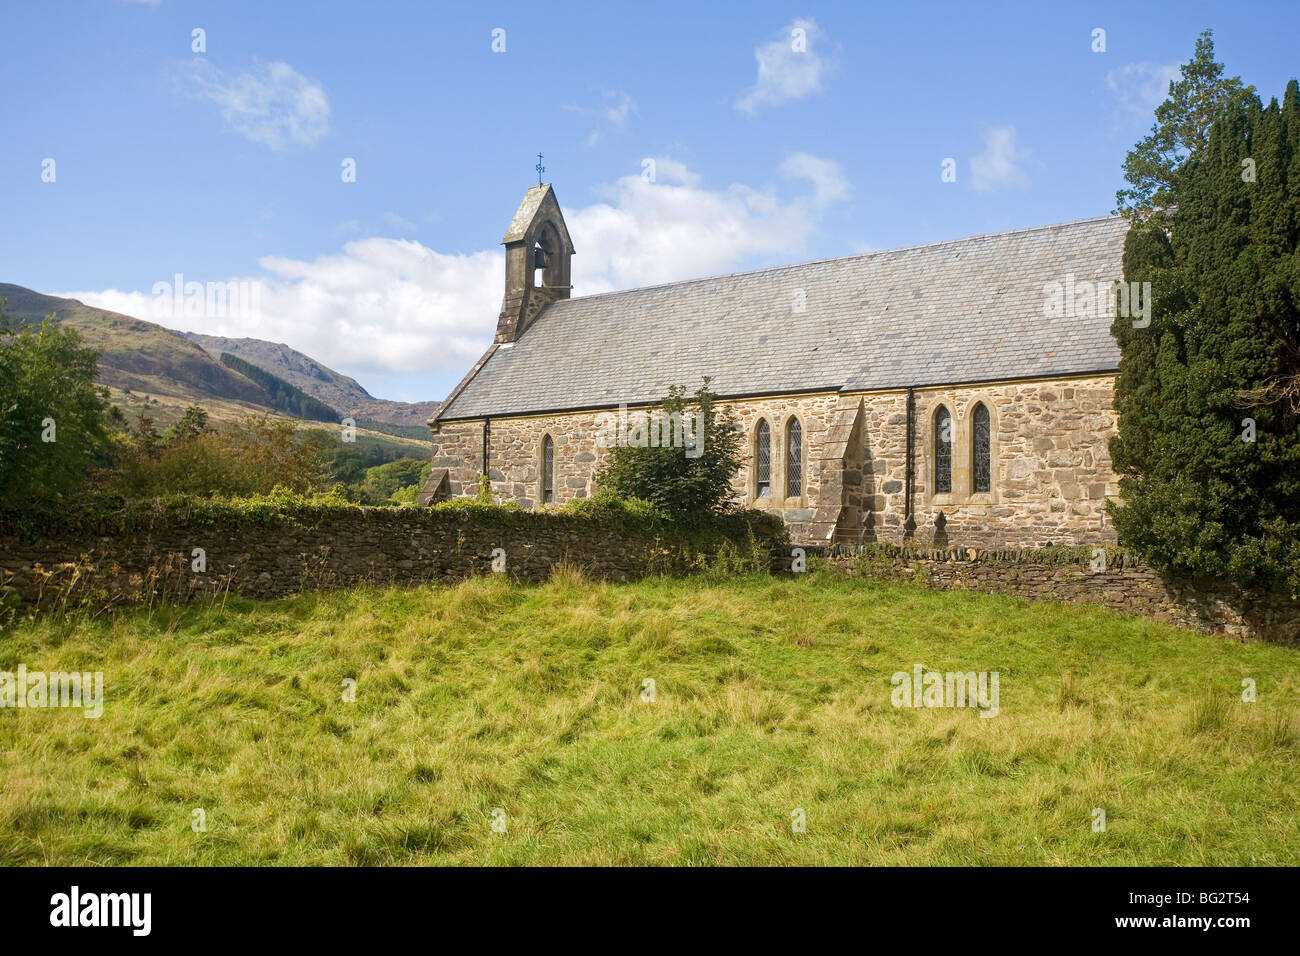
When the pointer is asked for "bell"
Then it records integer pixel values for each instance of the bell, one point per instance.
(539, 258)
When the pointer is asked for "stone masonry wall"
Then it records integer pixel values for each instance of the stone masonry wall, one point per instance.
(338, 547)
(1125, 584)
(515, 460)
(515, 453)
(1051, 470)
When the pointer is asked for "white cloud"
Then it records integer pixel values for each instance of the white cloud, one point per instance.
(389, 304)
(615, 109)
(395, 306)
(829, 184)
(789, 68)
(996, 167)
(671, 171)
(1141, 87)
(673, 229)
(272, 104)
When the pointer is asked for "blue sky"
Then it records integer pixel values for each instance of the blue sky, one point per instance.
(226, 164)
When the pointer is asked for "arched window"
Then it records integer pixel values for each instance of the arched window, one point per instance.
(793, 459)
(548, 471)
(942, 451)
(763, 460)
(981, 457)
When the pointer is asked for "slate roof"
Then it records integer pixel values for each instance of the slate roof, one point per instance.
(963, 310)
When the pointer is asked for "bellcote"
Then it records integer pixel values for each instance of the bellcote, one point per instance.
(538, 251)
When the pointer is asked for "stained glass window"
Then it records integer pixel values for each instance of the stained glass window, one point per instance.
(981, 457)
(942, 451)
(548, 470)
(793, 459)
(763, 460)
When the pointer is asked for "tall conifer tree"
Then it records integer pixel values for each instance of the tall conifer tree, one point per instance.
(1208, 450)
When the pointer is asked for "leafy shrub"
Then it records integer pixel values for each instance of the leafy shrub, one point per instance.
(250, 457)
(606, 503)
(687, 489)
(476, 508)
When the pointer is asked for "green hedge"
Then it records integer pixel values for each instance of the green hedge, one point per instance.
(111, 516)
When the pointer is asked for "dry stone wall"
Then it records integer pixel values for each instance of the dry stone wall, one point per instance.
(343, 547)
(1123, 582)
(334, 548)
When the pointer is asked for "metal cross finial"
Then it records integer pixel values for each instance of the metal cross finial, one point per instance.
(540, 169)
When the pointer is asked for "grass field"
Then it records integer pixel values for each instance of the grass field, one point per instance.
(524, 705)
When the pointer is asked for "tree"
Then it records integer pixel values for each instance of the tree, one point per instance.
(348, 465)
(53, 419)
(146, 440)
(191, 425)
(687, 483)
(1181, 130)
(1208, 449)
(382, 482)
(249, 457)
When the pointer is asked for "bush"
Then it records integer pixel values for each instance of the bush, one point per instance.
(477, 508)
(251, 457)
(605, 503)
(689, 489)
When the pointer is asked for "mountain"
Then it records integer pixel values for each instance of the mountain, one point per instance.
(152, 370)
(289, 399)
(336, 390)
(138, 356)
(145, 364)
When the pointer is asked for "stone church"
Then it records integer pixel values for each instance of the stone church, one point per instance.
(923, 394)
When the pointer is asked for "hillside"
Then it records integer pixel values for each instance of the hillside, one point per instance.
(138, 356)
(151, 369)
(287, 398)
(338, 391)
(144, 357)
